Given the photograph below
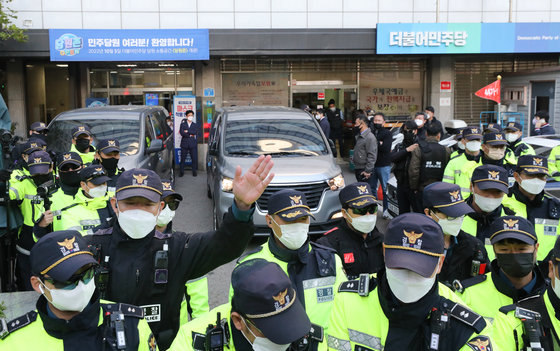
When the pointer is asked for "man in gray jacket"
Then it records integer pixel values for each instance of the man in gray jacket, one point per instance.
(365, 151)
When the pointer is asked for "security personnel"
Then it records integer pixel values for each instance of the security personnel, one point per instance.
(147, 268)
(81, 143)
(264, 314)
(24, 193)
(195, 303)
(400, 157)
(190, 131)
(356, 239)
(528, 199)
(488, 188)
(515, 147)
(38, 131)
(471, 141)
(68, 165)
(465, 255)
(431, 119)
(108, 155)
(335, 118)
(315, 270)
(427, 164)
(492, 128)
(21, 169)
(514, 274)
(512, 327)
(402, 309)
(554, 163)
(71, 316)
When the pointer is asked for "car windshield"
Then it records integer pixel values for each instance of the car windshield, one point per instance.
(277, 137)
(126, 131)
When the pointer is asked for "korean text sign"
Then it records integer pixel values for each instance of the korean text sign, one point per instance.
(181, 104)
(128, 44)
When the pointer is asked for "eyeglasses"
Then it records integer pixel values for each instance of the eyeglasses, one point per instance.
(173, 204)
(72, 283)
(70, 168)
(372, 209)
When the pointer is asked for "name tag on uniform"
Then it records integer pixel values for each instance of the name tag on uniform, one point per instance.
(549, 225)
(323, 288)
(152, 313)
(325, 294)
(511, 181)
(111, 189)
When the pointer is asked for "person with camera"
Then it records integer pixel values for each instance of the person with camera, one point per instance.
(264, 314)
(32, 194)
(70, 314)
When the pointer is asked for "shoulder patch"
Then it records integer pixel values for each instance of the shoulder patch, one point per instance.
(468, 317)
(152, 344)
(19, 323)
(243, 257)
(473, 281)
(480, 343)
(361, 286)
(553, 207)
(104, 231)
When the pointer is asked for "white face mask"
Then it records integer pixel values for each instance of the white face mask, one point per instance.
(136, 223)
(98, 191)
(165, 216)
(496, 154)
(363, 224)
(461, 146)
(533, 186)
(487, 204)
(474, 145)
(511, 137)
(190, 118)
(293, 235)
(419, 122)
(263, 344)
(450, 226)
(535, 121)
(408, 286)
(74, 300)
(332, 109)
(318, 117)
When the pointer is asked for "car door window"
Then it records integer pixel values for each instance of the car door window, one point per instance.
(157, 127)
(149, 132)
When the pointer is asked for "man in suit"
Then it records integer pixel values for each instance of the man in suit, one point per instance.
(189, 131)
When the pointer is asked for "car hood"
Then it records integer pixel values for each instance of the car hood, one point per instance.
(290, 169)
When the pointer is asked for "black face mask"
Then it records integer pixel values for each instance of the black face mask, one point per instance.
(82, 144)
(70, 178)
(42, 178)
(409, 137)
(516, 265)
(110, 164)
(377, 125)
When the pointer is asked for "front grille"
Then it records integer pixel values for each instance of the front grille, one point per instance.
(313, 193)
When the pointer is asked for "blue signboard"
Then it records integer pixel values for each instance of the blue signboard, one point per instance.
(152, 99)
(467, 38)
(96, 102)
(128, 44)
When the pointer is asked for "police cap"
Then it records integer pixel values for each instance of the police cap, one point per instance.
(95, 174)
(68, 158)
(513, 127)
(532, 164)
(168, 190)
(108, 145)
(490, 177)
(289, 204)
(79, 130)
(494, 139)
(493, 128)
(447, 198)
(139, 182)
(39, 162)
(512, 227)
(472, 133)
(356, 195)
(31, 146)
(38, 127)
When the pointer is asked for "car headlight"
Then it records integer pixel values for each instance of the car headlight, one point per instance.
(227, 184)
(337, 215)
(337, 182)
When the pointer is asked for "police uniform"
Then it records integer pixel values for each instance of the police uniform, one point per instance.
(495, 287)
(265, 298)
(543, 211)
(492, 128)
(371, 317)
(110, 164)
(189, 144)
(129, 264)
(315, 270)
(68, 181)
(22, 169)
(100, 326)
(465, 256)
(456, 163)
(517, 148)
(88, 154)
(359, 252)
(477, 224)
(554, 163)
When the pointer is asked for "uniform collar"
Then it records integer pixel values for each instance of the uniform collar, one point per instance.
(487, 161)
(519, 196)
(375, 235)
(287, 255)
(504, 286)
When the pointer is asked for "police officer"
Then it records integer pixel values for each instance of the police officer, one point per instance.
(465, 255)
(540, 121)
(400, 157)
(427, 164)
(108, 155)
(492, 128)
(142, 266)
(488, 188)
(472, 141)
(554, 163)
(335, 118)
(315, 270)
(402, 309)
(71, 316)
(515, 147)
(21, 168)
(190, 132)
(514, 274)
(355, 238)
(24, 193)
(514, 325)
(81, 143)
(68, 165)
(195, 303)
(528, 199)
(38, 131)
(264, 314)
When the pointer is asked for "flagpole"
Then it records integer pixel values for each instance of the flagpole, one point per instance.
(500, 103)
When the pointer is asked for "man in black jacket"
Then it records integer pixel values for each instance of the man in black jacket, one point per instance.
(335, 118)
(431, 119)
(382, 170)
(400, 156)
(142, 266)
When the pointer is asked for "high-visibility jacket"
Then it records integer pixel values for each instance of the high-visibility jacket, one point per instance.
(519, 148)
(554, 163)
(455, 165)
(466, 172)
(87, 157)
(195, 303)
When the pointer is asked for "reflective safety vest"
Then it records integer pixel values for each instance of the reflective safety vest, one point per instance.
(547, 227)
(453, 170)
(31, 205)
(60, 199)
(554, 163)
(84, 217)
(520, 149)
(195, 303)
(87, 157)
(319, 291)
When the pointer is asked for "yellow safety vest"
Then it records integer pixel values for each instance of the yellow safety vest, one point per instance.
(197, 292)
(87, 157)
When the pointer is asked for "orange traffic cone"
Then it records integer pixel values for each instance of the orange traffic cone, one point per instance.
(379, 192)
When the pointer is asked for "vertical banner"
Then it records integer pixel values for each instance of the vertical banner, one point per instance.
(181, 104)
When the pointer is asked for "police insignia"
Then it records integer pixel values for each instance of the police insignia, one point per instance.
(480, 343)
(455, 195)
(474, 130)
(37, 160)
(81, 128)
(291, 215)
(511, 224)
(499, 137)
(33, 144)
(362, 189)
(412, 236)
(111, 143)
(152, 345)
(295, 200)
(537, 161)
(167, 186)
(68, 246)
(511, 124)
(66, 157)
(493, 174)
(98, 169)
(139, 178)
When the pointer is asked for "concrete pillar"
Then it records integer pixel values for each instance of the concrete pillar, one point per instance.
(442, 100)
(16, 96)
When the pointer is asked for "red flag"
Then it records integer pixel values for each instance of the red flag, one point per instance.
(490, 92)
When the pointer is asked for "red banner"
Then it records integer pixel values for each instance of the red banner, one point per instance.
(490, 92)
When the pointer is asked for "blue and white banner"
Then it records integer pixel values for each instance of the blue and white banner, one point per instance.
(181, 104)
(128, 44)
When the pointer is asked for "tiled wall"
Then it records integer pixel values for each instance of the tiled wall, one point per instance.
(39, 14)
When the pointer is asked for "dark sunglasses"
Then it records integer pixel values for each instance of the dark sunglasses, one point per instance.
(70, 168)
(364, 210)
(72, 283)
(173, 205)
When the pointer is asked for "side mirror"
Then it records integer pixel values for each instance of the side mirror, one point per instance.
(333, 147)
(155, 146)
(213, 149)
